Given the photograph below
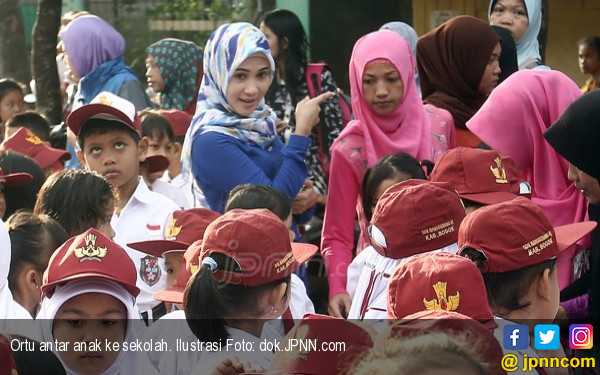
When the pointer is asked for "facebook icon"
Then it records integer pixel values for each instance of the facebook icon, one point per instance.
(516, 337)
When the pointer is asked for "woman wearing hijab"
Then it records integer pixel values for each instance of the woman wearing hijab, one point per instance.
(513, 121)
(172, 69)
(576, 137)
(94, 54)
(459, 67)
(524, 20)
(390, 118)
(89, 295)
(232, 139)
(410, 35)
(508, 56)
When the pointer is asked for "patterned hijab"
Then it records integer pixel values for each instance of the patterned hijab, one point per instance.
(178, 62)
(228, 47)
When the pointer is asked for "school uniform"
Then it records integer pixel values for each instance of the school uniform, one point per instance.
(144, 218)
(184, 182)
(175, 194)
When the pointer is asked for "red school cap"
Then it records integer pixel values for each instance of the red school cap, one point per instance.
(183, 228)
(155, 163)
(90, 255)
(481, 176)
(15, 179)
(476, 335)
(516, 234)
(327, 329)
(180, 121)
(258, 242)
(438, 281)
(25, 142)
(105, 106)
(414, 217)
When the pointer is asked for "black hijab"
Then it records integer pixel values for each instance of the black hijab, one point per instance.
(508, 58)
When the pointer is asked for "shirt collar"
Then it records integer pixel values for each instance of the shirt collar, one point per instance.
(142, 193)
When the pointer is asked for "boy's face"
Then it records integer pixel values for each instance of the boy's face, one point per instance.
(174, 264)
(115, 155)
(86, 318)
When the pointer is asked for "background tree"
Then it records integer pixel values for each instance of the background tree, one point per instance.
(13, 51)
(45, 72)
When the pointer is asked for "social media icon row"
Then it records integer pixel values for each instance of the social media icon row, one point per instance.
(547, 336)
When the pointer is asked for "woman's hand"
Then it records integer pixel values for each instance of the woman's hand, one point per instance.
(305, 199)
(339, 305)
(307, 113)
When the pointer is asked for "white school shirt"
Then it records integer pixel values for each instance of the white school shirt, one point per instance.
(368, 280)
(184, 181)
(172, 192)
(142, 219)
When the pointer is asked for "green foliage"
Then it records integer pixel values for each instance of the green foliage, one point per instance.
(233, 10)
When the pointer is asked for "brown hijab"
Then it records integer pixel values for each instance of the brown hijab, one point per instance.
(451, 60)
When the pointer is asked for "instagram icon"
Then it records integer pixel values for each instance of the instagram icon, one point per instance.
(581, 336)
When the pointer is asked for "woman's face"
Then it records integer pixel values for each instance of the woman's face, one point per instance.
(153, 77)
(491, 74)
(589, 60)
(271, 38)
(383, 89)
(588, 185)
(85, 319)
(511, 14)
(11, 104)
(248, 85)
(71, 72)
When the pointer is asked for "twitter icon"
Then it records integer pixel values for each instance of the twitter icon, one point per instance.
(547, 337)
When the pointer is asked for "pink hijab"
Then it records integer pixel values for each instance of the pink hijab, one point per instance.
(407, 128)
(513, 121)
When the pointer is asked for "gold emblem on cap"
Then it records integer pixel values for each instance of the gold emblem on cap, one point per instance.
(105, 100)
(499, 172)
(172, 230)
(32, 138)
(90, 251)
(442, 302)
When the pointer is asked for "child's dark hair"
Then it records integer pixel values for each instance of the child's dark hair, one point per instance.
(157, 127)
(505, 290)
(389, 167)
(33, 239)
(21, 197)
(33, 121)
(591, 42)
(286, 25)
(100, 126)
(8, 85)
(208, 302)
(76, 198)
(248, 196)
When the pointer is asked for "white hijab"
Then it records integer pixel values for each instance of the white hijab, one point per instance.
(126, 362)
(9, 308)
(528, 48)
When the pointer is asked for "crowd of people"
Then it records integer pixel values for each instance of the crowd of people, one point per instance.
(453, 193)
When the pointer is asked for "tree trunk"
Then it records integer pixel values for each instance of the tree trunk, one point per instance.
(13, 52)
(45, 72)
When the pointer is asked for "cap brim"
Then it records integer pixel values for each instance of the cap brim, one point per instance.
(173, 294)
(16, 179)
(49, 156)
(303, 251)
(158, 248)
(132, 289)
(156, 163)
(81, 115)
(489, 198)
(567, 235)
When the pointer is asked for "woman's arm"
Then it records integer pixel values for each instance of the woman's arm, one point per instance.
(219, 163)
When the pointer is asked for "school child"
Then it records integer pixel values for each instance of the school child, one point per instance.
(19, 191)
(480, 177)
(357, 341)
(31, 120)
(411, 217)
(92, 281)
(11, 100)
(244, 279)
(107, 132)
(165, 132)
(8, 180)
(515, 247)
(78, 199)
(33, 239)
(183, 229)
(25, 142)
